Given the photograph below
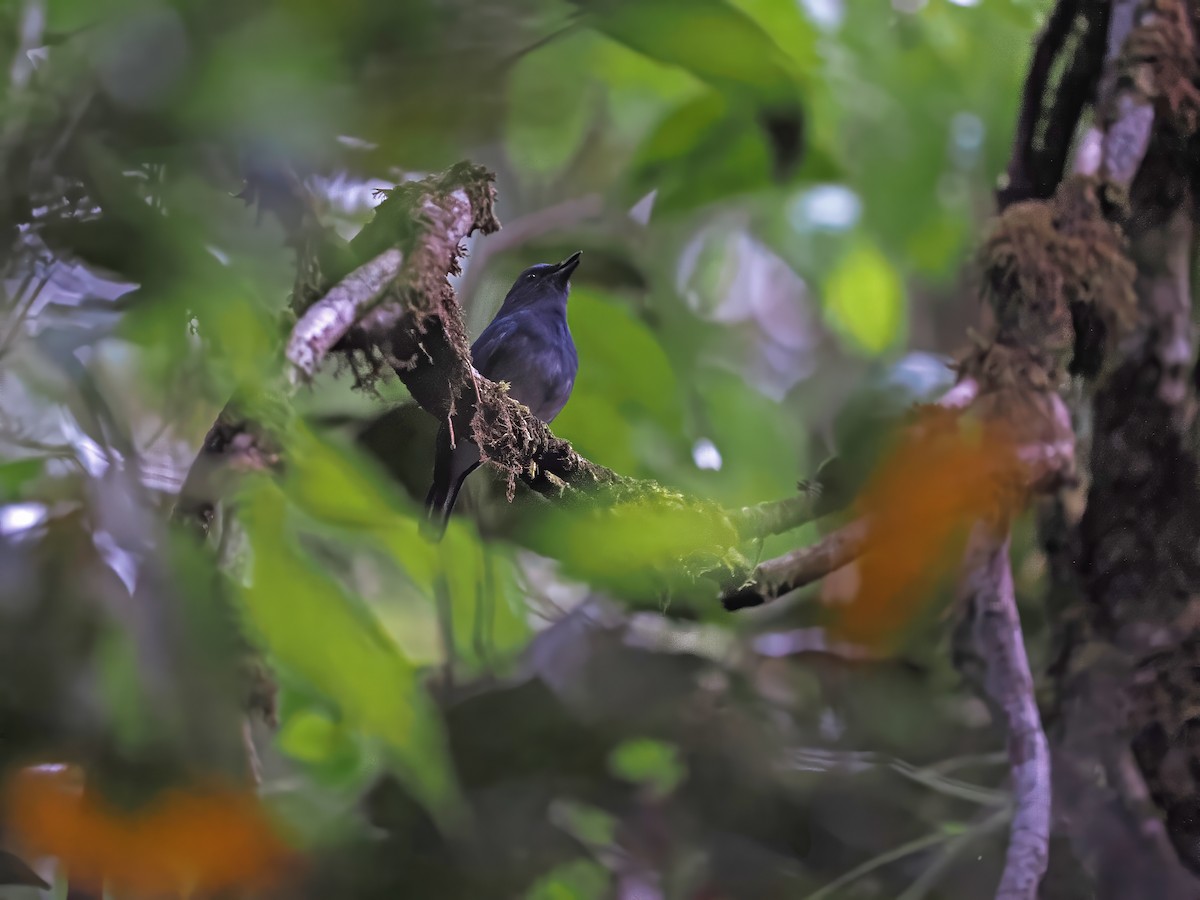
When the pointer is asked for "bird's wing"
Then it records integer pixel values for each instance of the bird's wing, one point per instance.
(489, 347)
(522, 350)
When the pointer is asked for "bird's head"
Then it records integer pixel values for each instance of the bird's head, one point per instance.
(543, 282)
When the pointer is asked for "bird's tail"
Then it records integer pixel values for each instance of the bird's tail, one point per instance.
(439, 503)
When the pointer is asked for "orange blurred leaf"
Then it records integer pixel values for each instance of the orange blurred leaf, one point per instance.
(946, 474)
(199, 840)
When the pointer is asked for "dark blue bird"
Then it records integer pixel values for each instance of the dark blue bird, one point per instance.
(528, 345)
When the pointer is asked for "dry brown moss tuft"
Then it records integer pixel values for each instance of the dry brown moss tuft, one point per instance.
(1159, 61)
(998, 366)
(1047, 258)
(1018, 397)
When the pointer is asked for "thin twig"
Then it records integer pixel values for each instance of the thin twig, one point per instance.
(950, 853)
(820, 760)
(883, 859)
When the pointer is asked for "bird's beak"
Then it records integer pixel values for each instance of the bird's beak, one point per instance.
(562, 272)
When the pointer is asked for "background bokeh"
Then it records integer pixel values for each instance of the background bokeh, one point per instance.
(742, 312)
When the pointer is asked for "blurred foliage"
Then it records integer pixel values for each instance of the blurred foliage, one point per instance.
(773, 198)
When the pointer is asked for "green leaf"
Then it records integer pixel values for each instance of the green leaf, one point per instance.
(15, 475)
(624, 376)
(723, 47)
(713, 40)
(309, 736)
(635, 548)
(864, 299)
(651, 763)
(591, 826)
(578, 880)
(310, 626)
(338, 486)
(551, 101)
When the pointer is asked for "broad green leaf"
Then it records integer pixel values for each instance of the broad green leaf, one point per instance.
(710, 148)
(723, 47)
(551, 101)
(705, 150)
(639, 89)
(309, 625)
(635, 548)
(788, 27)
(864, 300)
(712, 39)
(339, 487)
(624, 377)
(309, 737)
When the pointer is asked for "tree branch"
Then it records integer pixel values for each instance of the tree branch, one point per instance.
(397, 309)
(784, 574)
(1020, 183)
(996, 630)
(328, 320)
(777, 516)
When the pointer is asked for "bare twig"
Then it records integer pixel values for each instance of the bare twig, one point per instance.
(818, 759)
(950, 852)
(883, 859)
(996, 628)
(784, 574)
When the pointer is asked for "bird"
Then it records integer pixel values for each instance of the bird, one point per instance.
(528, 345)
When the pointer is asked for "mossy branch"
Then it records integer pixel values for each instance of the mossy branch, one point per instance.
(384, 302)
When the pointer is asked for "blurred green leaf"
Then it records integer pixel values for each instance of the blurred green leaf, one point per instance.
(592, 827)
(14, 476)
(652, 763)
(624, 377)
(338, 486)
(723, 47)
(704, 151)
(309, 625)
(864, 299)
(334, 755)
(712, 39)
(579, 880)
(551, 101)
(637, 548)
(123, 688)
(256, 83)
(68, 15)
(310, 737)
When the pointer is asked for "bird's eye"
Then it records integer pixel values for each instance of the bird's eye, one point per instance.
(531, 276)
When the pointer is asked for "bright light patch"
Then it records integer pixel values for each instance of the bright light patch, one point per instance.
(706, 455)
(18, 517)
(831, 207)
